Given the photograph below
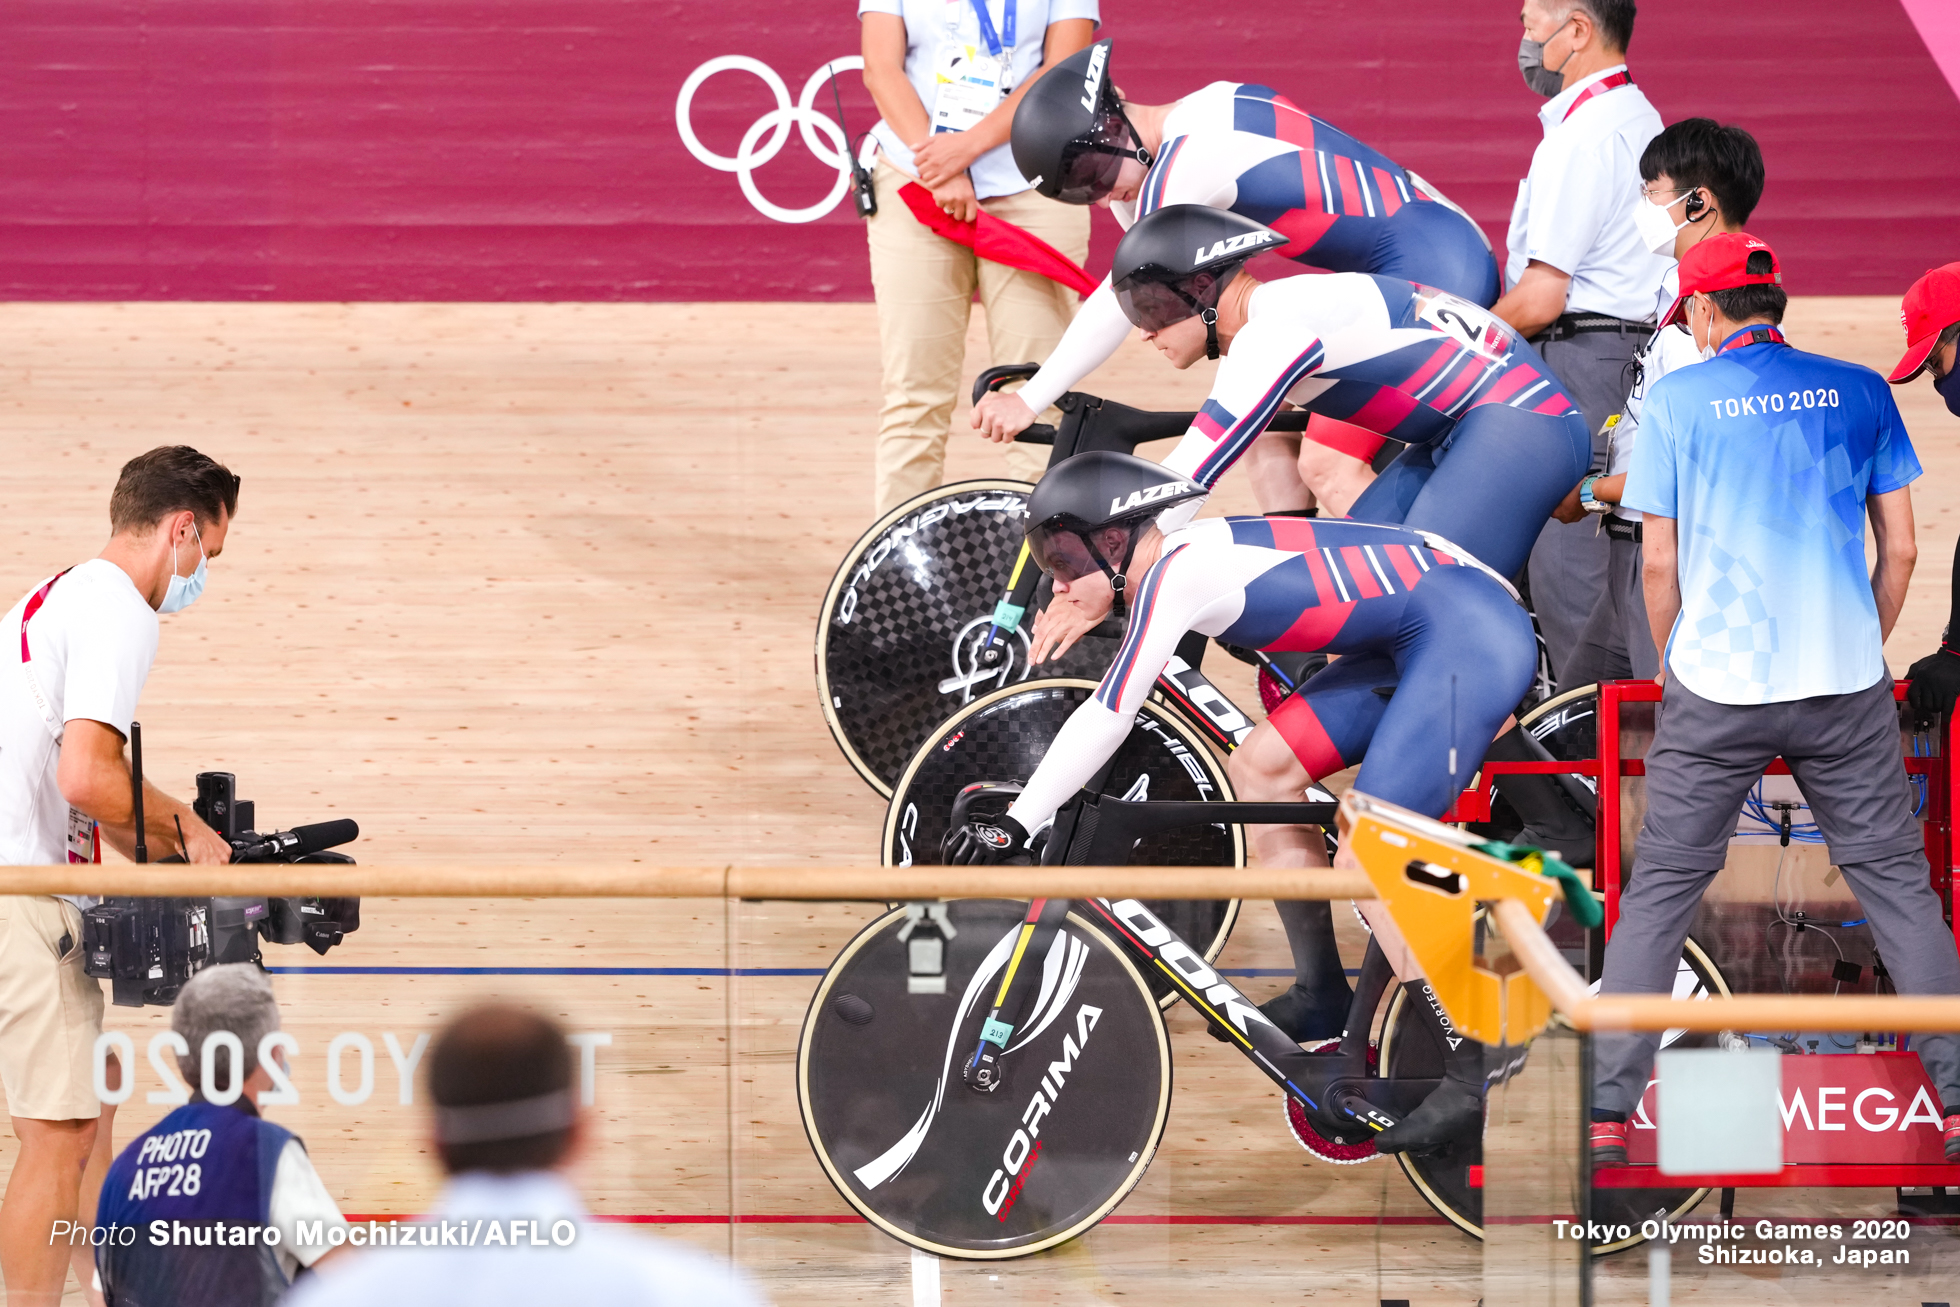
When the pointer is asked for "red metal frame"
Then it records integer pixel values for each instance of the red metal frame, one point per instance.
(1610, 769)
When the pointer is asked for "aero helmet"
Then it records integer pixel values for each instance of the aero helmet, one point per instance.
(1175, 263)
(1070, 133)
(1089, 493)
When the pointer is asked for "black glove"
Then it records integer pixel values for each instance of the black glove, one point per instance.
(1935, 683)
(984, 841)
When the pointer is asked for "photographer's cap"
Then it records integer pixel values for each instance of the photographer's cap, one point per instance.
(1724, 262)
(1931, 306)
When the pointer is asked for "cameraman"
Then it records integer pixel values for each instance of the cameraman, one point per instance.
(74, 654)
(508, 1127)
(250, 1175)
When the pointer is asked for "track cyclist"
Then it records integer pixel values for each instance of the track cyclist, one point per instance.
(1435, 652)
(1494, 445)
(1245, 148)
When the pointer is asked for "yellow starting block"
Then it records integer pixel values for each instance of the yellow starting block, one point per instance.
(1432, 877)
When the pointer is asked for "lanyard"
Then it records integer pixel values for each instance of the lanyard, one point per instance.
(1600, 87)
(1753, 336)
(998, 44)
(34, 691)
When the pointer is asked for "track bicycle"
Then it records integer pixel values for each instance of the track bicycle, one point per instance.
(1060, 1002)
(925, 613)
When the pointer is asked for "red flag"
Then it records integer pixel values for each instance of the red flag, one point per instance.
(998, 240)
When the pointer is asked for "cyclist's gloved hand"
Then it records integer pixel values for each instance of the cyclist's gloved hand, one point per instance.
(1935, 683)
(984, 841)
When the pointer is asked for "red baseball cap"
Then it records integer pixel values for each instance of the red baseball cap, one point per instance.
(1721, 263)
(1931, 306)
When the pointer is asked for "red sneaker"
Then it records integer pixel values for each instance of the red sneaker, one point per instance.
(1953, 1138)
(1609, 1143)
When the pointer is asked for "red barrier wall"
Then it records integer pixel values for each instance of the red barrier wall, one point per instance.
(527, 149)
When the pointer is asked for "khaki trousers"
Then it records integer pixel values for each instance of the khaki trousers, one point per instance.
(925, 285)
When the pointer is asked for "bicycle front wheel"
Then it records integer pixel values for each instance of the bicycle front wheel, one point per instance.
(1003, 737)
(1086, 1091)
(902, 622)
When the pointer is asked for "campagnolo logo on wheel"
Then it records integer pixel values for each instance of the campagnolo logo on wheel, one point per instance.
(899, 541)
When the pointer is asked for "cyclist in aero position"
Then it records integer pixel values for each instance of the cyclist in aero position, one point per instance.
(1245, 148)
(1435, 652)
(1494, 445)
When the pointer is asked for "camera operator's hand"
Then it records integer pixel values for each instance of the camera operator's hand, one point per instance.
(1935, 684)
(983, 841)
(205, 845)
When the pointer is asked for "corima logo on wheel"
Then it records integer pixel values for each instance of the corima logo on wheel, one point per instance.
(1004, 1186)
(1150, 495)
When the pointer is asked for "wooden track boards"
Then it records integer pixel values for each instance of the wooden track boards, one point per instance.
(539, 582)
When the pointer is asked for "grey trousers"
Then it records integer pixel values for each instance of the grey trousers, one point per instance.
(1616, 643)
(1568, 564)
(1843, 751)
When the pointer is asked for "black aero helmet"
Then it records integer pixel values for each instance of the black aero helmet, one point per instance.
(1070, 133)
(1090, 493)
(1175, 263)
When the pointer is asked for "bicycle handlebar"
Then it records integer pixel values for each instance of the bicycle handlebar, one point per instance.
(1091, 423)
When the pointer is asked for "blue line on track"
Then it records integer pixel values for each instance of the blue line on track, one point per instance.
(634, 971)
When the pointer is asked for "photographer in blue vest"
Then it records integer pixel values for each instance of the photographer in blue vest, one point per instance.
(224, 1188)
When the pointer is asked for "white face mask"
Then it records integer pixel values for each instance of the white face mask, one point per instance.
(1656, 226)
(184, 590)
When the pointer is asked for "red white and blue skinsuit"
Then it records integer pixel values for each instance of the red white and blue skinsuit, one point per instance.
(1494, 441)
(1343, 206)
(1435, 652)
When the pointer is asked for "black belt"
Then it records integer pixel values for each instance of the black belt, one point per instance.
(1621, 529)
(1568, 325)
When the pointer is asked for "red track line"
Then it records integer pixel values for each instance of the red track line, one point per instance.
(724, 1219)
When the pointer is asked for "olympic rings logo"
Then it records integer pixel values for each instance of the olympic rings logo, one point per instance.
(753, 152)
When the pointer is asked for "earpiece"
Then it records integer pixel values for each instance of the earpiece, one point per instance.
(1696, 206)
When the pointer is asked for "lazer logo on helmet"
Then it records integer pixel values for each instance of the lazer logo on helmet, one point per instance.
(1147, 495)
(1250, 240)
(1092, 79)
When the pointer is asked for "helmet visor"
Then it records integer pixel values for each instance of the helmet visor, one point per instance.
(1092, 162)
(1154, 305)
(1061, 551)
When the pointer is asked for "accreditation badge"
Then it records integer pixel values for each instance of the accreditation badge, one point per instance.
(84, 845)
(970, 84)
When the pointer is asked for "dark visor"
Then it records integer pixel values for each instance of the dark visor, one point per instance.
(1154, 305)
(1061, 552)
(1092, 162)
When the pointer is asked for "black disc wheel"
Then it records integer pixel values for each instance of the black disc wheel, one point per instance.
(1568, 727)
(1003, 736)
(1412, 1047)
(1085, 1093)
(902, 623)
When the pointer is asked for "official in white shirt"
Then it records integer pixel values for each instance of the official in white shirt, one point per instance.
(509, 1229)
(1582, 283)
(74, 653)
(946, 76)
(1699, 179)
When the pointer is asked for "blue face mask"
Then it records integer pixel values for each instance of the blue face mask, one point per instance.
(1949, 388)
(184, 590)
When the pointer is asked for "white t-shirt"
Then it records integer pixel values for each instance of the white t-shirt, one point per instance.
(1671, 349)
(91, 639)
(1575, 208)
(601, 1263)
(933, 24)
(298, 1195)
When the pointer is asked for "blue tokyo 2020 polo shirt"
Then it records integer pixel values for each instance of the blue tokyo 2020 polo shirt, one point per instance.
(1765, 456)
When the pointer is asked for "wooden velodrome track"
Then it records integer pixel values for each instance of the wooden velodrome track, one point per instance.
(538, 583)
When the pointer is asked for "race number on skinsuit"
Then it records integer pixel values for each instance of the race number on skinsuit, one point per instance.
(1473, 326)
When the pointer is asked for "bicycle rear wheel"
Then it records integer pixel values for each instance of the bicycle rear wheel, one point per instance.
(960, 1173)
(1411, 1047)
(1003, 736)
(905, 615)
